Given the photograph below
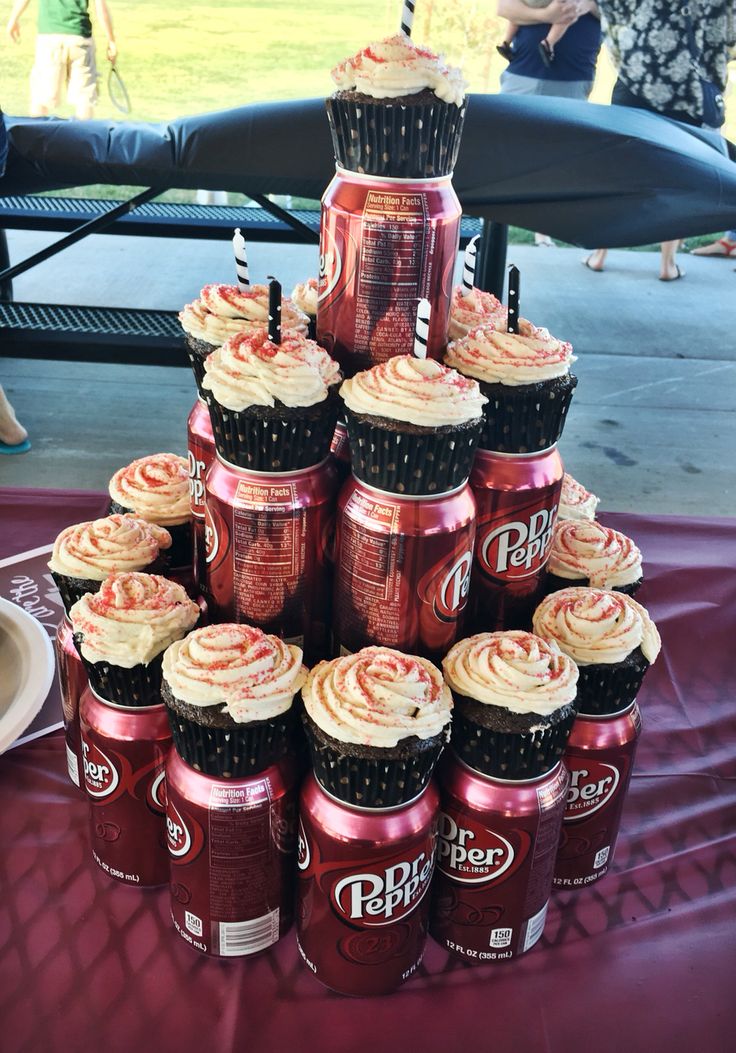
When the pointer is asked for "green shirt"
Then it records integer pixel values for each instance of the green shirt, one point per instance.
(64, 16)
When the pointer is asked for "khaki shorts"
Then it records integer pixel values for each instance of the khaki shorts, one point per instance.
(63, 60)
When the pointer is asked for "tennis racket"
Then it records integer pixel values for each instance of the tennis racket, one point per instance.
(117, 91)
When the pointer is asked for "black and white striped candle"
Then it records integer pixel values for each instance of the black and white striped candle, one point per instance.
(274, 310)
(512, 325)
(421, 329)
(241, 259)
(407, 17)
(469, 263)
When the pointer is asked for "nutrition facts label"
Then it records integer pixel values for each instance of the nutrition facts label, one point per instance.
(269, 550)
(393, 233)
(369, 585)
(551, 799)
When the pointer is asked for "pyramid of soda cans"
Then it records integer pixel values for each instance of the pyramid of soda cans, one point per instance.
(366, 663)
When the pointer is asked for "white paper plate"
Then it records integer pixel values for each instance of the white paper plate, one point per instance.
(26, 670)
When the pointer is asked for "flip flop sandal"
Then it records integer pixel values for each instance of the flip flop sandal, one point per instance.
(19, 447)
(546, 53)
(595, 270)
(680, 274)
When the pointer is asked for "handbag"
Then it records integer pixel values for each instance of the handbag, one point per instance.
(714, 108)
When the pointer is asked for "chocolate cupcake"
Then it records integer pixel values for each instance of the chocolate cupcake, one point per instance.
(471, 308)
(584, 552)
(377, 722)
(85, 553)
(514, 697)
(398, 111)
(273, 407)
(156, 488)
(229, 691)
(122, 631)
(304, 297)
(413, 425)
(575, 501)
(224, 310)
(526, 379)
(609, 636)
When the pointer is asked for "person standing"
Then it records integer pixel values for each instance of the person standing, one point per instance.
(65, 53)
(572, 72)
(671, 60)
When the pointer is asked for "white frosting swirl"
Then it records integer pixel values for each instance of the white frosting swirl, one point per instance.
(416, 390)
(253, 676)
(575, 501)
(395, 67)
(223, 310)
(132, 619)
(595, 626)
(470, 308)
(587, 549)
(107, 546)
(377, 697)
(515, 670)
(305, 295)
(156, 488)
(498, 357)
(248, 370)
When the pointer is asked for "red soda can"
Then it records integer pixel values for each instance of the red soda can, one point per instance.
(495, 859)
(232, 844)
(72, 682)
(340, 451)
(600, 757)
(517, 497)
(123, 754)
(268, 551)
(384, 245)
(201, 445)
(402, 569)
(362, 907)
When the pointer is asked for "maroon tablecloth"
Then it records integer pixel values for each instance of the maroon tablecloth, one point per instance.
(643, 961)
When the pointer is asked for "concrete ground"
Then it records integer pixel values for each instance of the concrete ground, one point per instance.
(652, 426)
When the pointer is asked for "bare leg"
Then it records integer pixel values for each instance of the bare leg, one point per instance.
(597, 260)
(725, 246)
(669, 270)
(84, 111)
(11, 432)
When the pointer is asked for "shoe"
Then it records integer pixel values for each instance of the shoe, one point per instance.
(680, 274)
(506, 51)
(546, 53)
(586, 263)
(729, 248)
(18, 447)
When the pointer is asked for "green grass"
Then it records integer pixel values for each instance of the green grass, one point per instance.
(179, 58)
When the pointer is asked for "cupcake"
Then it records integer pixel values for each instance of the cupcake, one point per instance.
(224, 310)
(609, 636)
(122, 631)
(575, 501)
(413, 425)
(526, 379)
(273, 407)
(584, 552)
(304, 297)
(471, 308)
(156, 488)
(229, 691)
(514, 696)
(377, 722)
(85, 553)
(398, 111)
